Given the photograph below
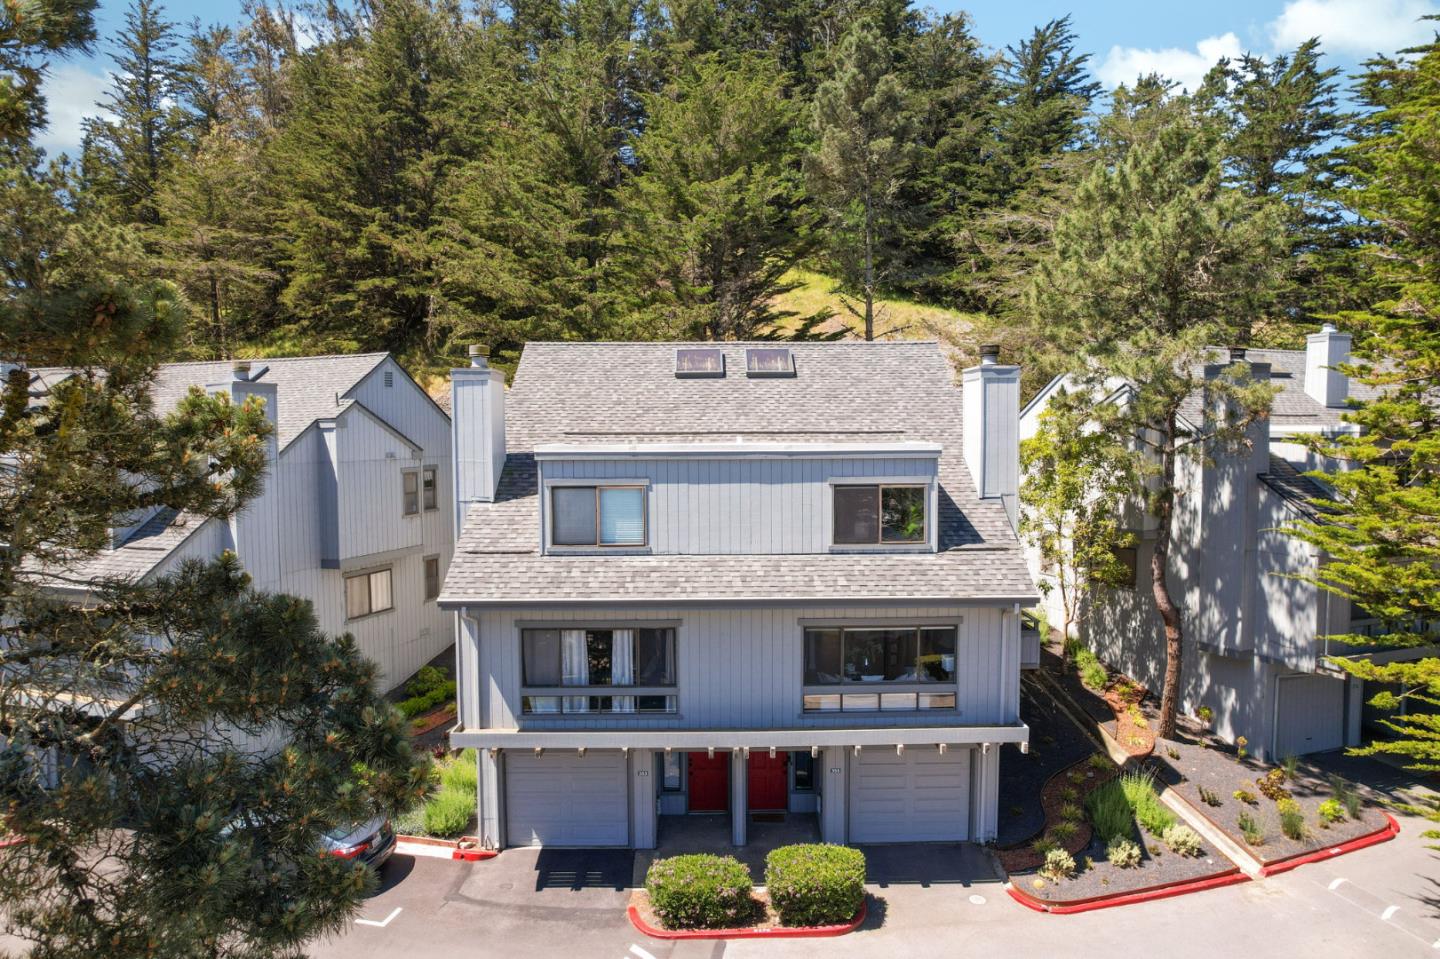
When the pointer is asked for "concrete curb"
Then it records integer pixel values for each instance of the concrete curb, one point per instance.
(1385, 833)
(1229, 877)
(444, 848)
(779, 932)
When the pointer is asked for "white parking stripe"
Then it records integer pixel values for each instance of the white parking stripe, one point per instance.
(382, 924)
(1335, 884)
(1389, 911)
(640, 953)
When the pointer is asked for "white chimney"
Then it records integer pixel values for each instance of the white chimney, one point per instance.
(477, 428)
(992, 429)
(1324, 352)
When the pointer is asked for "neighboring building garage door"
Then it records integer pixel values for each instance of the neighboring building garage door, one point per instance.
(922, 796)
(564, 799)
(1310, 717)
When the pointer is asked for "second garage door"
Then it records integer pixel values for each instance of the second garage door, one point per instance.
(922, 796)
(564, 799)
(1310, 717)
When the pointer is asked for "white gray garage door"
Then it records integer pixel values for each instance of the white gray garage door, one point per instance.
(564, 799)
(1311, 715)
(922, 796)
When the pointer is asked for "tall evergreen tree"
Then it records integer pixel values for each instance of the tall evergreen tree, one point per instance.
(715, 217)
(858, 165)
(1156, 260)
(30, 33)
(126, 153)
(1378, 533)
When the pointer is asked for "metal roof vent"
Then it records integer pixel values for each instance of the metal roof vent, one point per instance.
(769, 361)
(694, 363)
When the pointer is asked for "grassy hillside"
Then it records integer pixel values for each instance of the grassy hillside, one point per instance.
(895, 318)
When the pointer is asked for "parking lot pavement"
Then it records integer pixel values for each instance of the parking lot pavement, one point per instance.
(571, 905)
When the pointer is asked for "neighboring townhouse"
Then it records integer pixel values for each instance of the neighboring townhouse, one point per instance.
(355, 513)
(736, 579)
(1255, 634)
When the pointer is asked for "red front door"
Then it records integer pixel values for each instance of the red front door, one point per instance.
(709, 782)
(767, 787)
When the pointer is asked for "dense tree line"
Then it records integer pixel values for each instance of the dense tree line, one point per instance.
(413, 174)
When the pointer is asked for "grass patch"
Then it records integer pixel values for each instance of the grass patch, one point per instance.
(1110, 812)
(1150, 812)
(908, 319)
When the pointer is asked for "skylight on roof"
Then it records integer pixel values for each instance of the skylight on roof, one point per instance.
(697, 363)
(769, 361)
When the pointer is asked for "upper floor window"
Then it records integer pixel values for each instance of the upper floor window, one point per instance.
(410, 492)
(591, 658)
(597, 516)
(432, 577)
(367, 593)
(428, 488)
(877, 514)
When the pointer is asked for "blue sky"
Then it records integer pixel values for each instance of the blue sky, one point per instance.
(1127, 37)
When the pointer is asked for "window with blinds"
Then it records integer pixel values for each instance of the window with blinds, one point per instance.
(597, 516)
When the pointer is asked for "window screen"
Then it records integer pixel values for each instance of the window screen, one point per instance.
(573, 516)
(410, 483)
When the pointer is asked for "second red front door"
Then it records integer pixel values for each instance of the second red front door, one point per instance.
(709, 782)
(767, 787)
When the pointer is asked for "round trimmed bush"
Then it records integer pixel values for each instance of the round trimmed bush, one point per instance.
(1183, 841)
(815, 884)
(1123, 852)
(449, 813)
(700, 891)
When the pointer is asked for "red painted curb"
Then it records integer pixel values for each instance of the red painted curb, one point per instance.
(1184, 887)
(1385, 833)
(467, 855)
(474, 855)
(780, 932)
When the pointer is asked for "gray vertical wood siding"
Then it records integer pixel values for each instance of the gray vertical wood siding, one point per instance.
(740, 505)
(740, 668)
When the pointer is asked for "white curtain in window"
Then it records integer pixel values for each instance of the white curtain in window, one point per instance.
(622, 516)
(622, 667)
(574, 668)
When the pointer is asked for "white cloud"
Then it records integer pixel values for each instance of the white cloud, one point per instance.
(1358, 27)
(70, 94)
(1187, 67)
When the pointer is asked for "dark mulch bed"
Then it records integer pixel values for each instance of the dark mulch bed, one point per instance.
(1221, 772)
(1109, 708)
(1091, 702)
(1069, 786)
(1055, 742)
(1158, 867)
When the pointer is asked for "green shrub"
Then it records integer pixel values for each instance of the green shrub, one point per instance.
(815, 884)
(1205, 714)
(1183, 841)
(423, 703)
(1071, 812)
(1272, 785)
(1076, 776)
(1064, 831)
(461, 773)
(1331, 812)
(424, 680)
(449, 812)
(1100, 762)
(1043, 846)
(1245, 796)
(1110, 811)
(1250, 829)
(1292, 820)
(1069, 794)
(1347, 796)
(700, 891)
(1124, 853)
(1092, 672)
(1150, 812)
(1059, 864)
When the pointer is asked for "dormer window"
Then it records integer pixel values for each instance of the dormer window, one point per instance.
(875, 515)
(699, 363)
(769, 361)
(597, 516)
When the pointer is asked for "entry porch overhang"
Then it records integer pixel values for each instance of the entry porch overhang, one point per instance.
(696, 739)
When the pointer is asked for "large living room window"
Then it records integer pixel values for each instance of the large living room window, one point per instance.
(613, 670)
(879, 668)
(876, 515)
(597, 516)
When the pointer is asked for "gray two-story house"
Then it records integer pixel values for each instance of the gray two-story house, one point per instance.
(737, 578)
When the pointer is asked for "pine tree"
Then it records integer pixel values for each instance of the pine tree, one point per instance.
(1156, 260)
(1378, 533)
(29, 34)
(124, 158)
(715, 217)
(858, 165)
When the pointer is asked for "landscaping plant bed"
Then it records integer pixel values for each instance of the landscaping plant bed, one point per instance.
(1117, 707)
(1097, 880)
(764, 924)
(1056, 742)
(421, 725)
(1067, 788)
(1208, 777)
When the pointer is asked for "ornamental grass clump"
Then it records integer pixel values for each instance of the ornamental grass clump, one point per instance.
(1110, 812)
(815, 884)
(1150, 812)
(701, 891)
(449, 813)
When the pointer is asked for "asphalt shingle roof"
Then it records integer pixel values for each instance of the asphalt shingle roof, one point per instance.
(1292, 405)
(607, 393)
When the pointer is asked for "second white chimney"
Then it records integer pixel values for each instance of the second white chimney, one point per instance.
(991, 443)
(1324, 352)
